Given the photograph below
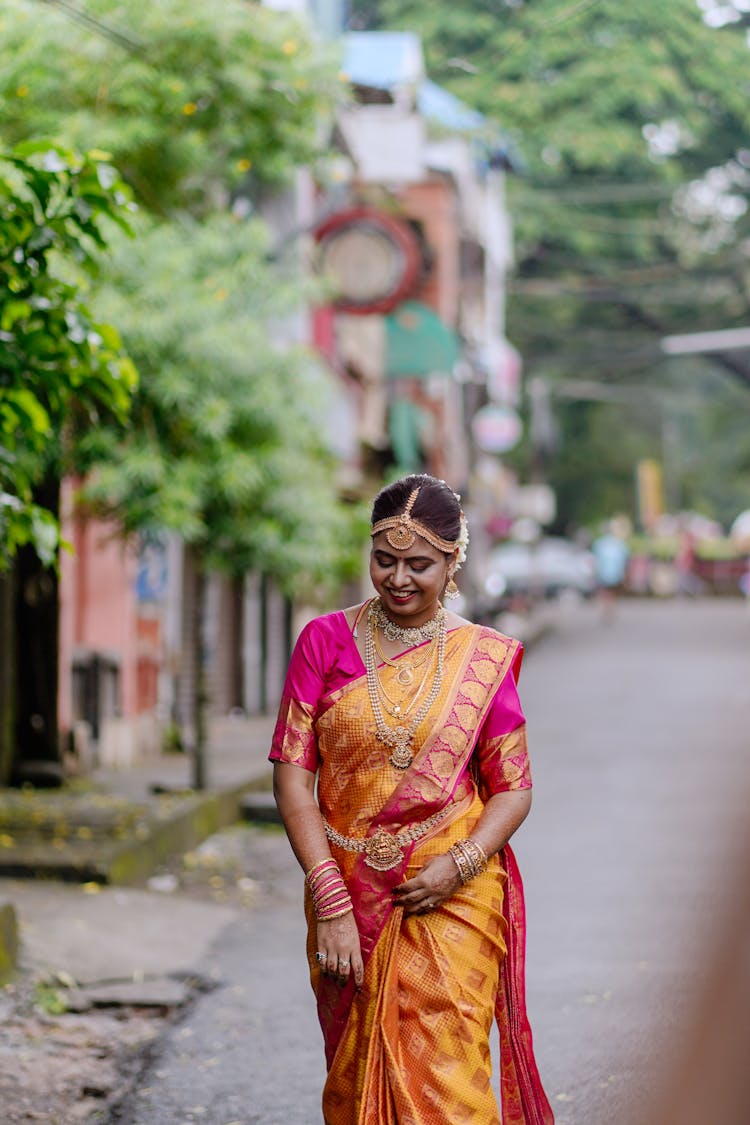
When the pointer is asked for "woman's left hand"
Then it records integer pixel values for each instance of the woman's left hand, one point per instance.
(436, 882)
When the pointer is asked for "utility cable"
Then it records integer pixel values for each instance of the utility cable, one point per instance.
(80, 15)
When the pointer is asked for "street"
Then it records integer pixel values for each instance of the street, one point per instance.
(638, 733)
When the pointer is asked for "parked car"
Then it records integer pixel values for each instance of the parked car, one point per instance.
(544, 569)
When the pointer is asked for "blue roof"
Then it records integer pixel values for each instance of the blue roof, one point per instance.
(437, 104)
(383, 59)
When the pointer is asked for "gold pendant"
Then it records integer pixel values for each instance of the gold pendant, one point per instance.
(405, 675)
(383, 852)
(401, 757)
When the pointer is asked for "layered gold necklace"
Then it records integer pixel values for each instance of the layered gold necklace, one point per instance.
(405, 673)
(399, 738)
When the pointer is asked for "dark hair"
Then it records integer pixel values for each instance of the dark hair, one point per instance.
(437, 506)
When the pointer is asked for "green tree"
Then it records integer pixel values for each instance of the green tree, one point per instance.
(227, 442)
(227, 439)
(61, 370)
(201, 108)
(631, 209)
(194, 102)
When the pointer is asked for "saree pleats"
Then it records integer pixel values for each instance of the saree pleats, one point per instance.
(415, 1051)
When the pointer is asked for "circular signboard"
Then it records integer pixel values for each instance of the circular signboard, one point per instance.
(496, 429)
(375, 260)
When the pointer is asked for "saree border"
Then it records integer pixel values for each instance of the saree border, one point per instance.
(370, 889)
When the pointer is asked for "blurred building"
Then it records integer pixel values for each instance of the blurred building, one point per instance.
(417, 247)
(409, 227)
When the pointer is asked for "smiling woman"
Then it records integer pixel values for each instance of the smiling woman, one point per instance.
(408, 717)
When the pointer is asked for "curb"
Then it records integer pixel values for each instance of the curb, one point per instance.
(8, 940)
(260, 808)
(161, 834)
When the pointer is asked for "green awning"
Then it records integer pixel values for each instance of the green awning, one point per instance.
(405, 428)
(417, 342)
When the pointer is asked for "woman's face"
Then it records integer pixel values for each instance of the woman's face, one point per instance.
(410, 583)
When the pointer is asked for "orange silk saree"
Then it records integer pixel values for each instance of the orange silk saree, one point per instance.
(412, 1046)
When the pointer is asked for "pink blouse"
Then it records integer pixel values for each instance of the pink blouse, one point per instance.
(326, 659)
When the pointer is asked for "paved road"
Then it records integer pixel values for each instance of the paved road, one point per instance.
(638, 734)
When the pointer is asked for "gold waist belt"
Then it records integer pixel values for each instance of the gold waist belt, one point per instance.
(384, 850)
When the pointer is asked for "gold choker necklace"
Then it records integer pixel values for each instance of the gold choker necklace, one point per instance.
(411, 635)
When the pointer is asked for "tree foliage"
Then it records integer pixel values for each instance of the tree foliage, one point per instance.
(193, 101)
(227, 442)
(61, 369)
(630, 208)
(202, 109)
(197, 106)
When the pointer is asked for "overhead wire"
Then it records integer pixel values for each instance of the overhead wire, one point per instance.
(80, 15)
(570, 13)
(529, 32)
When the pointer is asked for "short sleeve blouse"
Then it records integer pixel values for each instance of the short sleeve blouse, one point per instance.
(325, 658)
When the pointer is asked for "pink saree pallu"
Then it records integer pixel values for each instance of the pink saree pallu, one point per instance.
(412, 1046)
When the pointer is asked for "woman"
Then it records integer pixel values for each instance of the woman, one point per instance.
(408, 717)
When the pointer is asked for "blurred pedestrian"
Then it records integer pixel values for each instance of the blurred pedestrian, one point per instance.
(611, 555)
(408, 718)
(688, 582)
(745, 582)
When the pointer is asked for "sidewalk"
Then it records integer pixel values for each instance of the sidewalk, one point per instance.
(98, 967)
(116, 829)
(237, 755)
(115, 826)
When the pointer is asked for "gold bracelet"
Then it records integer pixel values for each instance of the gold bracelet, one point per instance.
(469, 857)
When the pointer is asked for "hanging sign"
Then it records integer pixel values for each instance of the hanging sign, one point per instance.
(496, 429)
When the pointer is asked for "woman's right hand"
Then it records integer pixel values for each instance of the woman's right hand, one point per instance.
(338, 939)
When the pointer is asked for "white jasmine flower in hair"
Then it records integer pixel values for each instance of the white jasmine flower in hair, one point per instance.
(463, 542)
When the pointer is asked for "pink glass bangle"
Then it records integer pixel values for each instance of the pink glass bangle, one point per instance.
(336, 913)
(318, 869)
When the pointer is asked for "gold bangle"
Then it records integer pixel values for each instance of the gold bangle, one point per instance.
(469, 857)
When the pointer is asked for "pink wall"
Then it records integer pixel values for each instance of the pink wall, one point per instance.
(434, 204)
(98, 607)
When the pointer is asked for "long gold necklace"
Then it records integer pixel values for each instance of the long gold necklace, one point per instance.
(405, 673)
(399, 739)
(392, 706)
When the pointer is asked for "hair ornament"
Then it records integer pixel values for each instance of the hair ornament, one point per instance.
(402, 530)
(462, 542)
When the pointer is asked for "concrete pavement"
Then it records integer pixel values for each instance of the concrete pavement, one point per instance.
(100, 967)
(88, 931)
(639, 751)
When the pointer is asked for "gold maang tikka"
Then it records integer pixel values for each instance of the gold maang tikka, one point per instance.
(402, 530)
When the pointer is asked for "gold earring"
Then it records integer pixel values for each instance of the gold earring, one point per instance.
(452, 591)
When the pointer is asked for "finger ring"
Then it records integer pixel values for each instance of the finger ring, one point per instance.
(430, 904)
(320, 957)
(344, 961)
